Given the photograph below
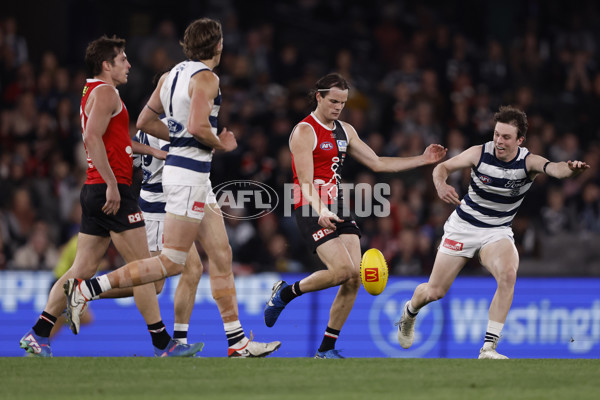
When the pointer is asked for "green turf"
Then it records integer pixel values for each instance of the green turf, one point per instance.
(297, 378)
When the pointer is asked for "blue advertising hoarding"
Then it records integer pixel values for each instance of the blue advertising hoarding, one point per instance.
(550, 318)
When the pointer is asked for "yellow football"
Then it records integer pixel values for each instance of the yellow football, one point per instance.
(373, 272)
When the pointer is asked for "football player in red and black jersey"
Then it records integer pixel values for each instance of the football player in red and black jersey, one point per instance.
(319, 146)
(110, 211)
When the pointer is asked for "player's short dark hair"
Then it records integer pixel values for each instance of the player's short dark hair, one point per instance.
(327, 82)
(513, 116)
(201, 39)
(102, 49)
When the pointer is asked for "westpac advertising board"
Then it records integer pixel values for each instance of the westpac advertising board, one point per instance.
(550, 318)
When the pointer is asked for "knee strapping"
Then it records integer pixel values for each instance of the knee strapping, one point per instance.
(176, 256)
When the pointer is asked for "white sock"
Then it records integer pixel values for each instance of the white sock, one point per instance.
(235, 334)
(412, 309)
(492, 333)
(104, 283)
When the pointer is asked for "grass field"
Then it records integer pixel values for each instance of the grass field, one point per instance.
(297, 378)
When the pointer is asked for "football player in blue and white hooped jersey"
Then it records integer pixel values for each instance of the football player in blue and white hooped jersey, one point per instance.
(501, 174)
(190, 99)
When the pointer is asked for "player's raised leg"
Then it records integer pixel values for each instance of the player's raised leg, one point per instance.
(445, 269)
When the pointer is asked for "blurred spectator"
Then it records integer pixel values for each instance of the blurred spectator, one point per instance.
(15, 42)
(38, 252)
(589, 209)
(555, 216)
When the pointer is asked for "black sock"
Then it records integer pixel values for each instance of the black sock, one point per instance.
(44, 324)
(179, 334)
(160, 336)
(290, 292)
(329, 339)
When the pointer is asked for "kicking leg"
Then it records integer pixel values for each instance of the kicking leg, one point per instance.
(445, 270)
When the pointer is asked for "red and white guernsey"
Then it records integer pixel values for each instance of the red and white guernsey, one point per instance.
(329, 153)
(116, 140)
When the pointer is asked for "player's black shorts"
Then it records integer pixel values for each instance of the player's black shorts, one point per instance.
(314, 234)
(95, 222)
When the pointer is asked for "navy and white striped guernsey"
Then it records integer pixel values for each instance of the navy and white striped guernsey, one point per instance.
(189, 161)
(497, 189)
(152, 199)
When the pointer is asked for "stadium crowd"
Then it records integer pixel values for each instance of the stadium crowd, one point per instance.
(418, 74)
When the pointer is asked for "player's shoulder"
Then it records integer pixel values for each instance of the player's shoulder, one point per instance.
(348, 127)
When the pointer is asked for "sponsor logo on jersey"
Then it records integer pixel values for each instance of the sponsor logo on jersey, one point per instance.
(321, 233)
(342, 145)
(452, 245)
(485, 179)
(327, 146)
(135, 217)
(198, 207)
(515, 184)
(174, 126)
(371, 275)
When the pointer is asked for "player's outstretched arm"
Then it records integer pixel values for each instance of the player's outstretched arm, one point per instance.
(366, 156)
(560, 170)
(466, 159)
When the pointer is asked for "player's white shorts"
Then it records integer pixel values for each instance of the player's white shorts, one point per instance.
(154, 233)
(463, 239)
(188, 201)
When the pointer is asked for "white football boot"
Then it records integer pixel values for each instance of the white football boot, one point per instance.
(253, 349)
(406, 328)
(76, 303)
(489, 352)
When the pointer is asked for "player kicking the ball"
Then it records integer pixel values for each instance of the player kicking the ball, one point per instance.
(501, 174)
(319, 144)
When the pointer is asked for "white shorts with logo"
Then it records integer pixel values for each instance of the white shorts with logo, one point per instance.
(463, 239)
(154, 233)
(188, 201)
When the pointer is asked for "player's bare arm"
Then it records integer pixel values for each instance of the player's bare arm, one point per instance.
(102, 104)
(466, 159)
(366, 156)
(301, 145)
(203, 88)
(141, 148)
(149, 118)
(560, 170)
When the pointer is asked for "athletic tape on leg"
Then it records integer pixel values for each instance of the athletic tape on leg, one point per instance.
(223, 291)
(176, 256)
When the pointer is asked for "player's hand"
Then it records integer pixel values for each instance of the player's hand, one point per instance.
(448, 194)
(159, 154)
(577, 167)
(327, 219)
(434, 153)
(113, 200)
(227, 140)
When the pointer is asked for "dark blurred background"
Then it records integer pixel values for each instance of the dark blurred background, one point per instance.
(421, 73)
